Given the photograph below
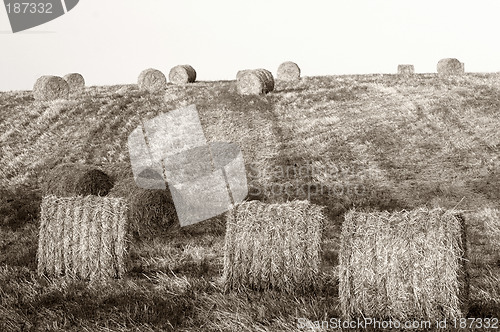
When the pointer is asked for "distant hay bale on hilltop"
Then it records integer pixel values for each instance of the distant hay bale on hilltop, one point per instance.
(273, 246)
(151, 211)
(407, 265)
(450, 66)
(288, 71)
(72, 179)
(82, 237)
(75, 81)
(48, 88)
(254, 82)
(182, 74)
(152, 80)
(406, 70)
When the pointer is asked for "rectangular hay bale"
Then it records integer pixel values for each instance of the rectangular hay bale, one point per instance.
(273, 246)
(406, 265)
(406, 70)
(82, 237)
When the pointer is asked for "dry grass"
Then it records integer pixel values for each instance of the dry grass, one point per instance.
(50, 88)
(273, 246)
(82, 237)
(450, 66)
(152, 80)
(70, 179)
(75, 81)
(406, 70)
(288, 71)
(182, 74)
(406, 265)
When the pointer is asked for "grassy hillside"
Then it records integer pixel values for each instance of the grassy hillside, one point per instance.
(371, 141)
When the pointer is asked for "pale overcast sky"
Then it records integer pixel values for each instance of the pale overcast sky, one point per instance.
(111, 41)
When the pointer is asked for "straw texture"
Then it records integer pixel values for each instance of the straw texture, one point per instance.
(48, 88)
(288, 71)
(82, 237)
(152, 80)
(182, 74)
(273, 246)
(406, 265)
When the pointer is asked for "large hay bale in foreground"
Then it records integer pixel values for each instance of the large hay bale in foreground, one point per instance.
(72, 179)
(75, 81)
(450, 66)
(152, 80)
(406, 70)
(288, 71)
(48, 88)
(82, 237)
(151, 211)
(182, 74)
(254, 82)
(406, 265)
(273, 246)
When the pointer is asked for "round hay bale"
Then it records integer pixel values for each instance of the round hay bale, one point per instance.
(50, 88)
(254, 82)
(152, 80)
(288, 71)
(73, 179)
(450, 66)
(75, 81)
(182, 74)
(269, 79)
(150, 210)
(406, 70)
(251, 83)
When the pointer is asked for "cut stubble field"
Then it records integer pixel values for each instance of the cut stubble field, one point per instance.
(373, 142)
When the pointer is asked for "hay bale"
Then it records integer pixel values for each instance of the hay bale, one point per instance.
(152, 80)
(269, 79)
(82, 237)
(288, 71)
(484, 236)
(491, 219)
(75, 81)
(50, 88)
(182, 74)
(450, 66)
(406, 265)
(151, 211)
(254, 82)
(273, 246)
(72, 179)
(406, 70)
